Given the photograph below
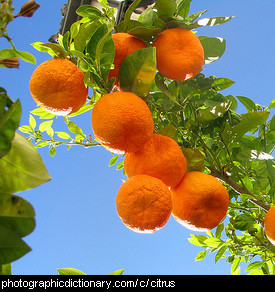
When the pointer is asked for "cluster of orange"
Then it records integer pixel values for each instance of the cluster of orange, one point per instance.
(158, 183)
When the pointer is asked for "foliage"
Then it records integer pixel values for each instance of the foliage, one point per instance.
(21, 166)
(236, 148)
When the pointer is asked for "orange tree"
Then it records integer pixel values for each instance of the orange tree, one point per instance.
(215, 139)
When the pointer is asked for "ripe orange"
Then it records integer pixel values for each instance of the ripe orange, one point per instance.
(160, 157)
(200, 202)
(144, 203)
(125, 45)
(269, 224)
(180, 55)
(122, 121)
(57, 86)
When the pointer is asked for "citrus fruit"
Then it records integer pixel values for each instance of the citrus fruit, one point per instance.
(144, 203)
(160, 157)
(200, 201)
(180, 55)
(125, 45)
(122, 121)
(269, 224)
(57, 86)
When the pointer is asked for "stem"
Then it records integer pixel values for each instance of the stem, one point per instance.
(238, 188)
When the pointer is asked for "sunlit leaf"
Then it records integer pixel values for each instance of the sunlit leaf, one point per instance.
(137, 71)
(214, 48)
(22, 168)
(69, 271)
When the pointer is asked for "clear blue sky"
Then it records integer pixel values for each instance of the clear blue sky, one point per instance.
(76, 221)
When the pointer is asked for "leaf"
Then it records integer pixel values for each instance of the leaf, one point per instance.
(45, 125)
(213, 242)
(5, 269)
(249, 122)
(183, 8)
(55, 50)
(213, 47)
(137, 71)
(198, 240)
(165, 7)
(16, 214)
(13, 53)
(117, 272)
(220, 253)
(211, 21)
(194, 158)
(42, 113)
(89, 11)
(113, 160)
(248, 103)
(69, 271)
(169, 131)
(73, 127)
(63, 135)
(128, 13)
(235, 265)
(9, 122)
(32, 122)
(243, 222)
(201, 255)
(222, 83)
(22, 168)
(254, 266)
(12, 247)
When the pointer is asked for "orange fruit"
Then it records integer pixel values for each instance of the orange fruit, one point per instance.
(122, 121)
(160, 157)
(144, 203)
(200, 202)
(269, 224)
(180, 55)
(125, 45)
(57, 86)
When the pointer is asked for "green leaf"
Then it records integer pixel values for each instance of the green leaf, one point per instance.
(213, 47)
(89, 11)
(198, 240)
(12, 247)
(16, 214)
(55, 50)
(42, 113)
(22, 168)
(254, 266)
(13, 53)
(248, 103)
(137, 71)
(220, 253)
(5, 269)
(32, 122)
(211, 21)
(213, 242)
(73, 127)
(222, 83)
(183, 8)
(165, 7)
(69, 271)
(249, 122)
(128, 13)
(113, 160)
(117, 272)
(194, 158)
(201, 255)
(9, 122)
(243, 222)
(63, 135)
(235, 265)
(169, 131)
(45, 125)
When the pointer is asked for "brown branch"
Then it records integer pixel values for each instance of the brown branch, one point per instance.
(238, 188)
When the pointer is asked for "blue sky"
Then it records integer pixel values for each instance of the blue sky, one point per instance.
(76, 221)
